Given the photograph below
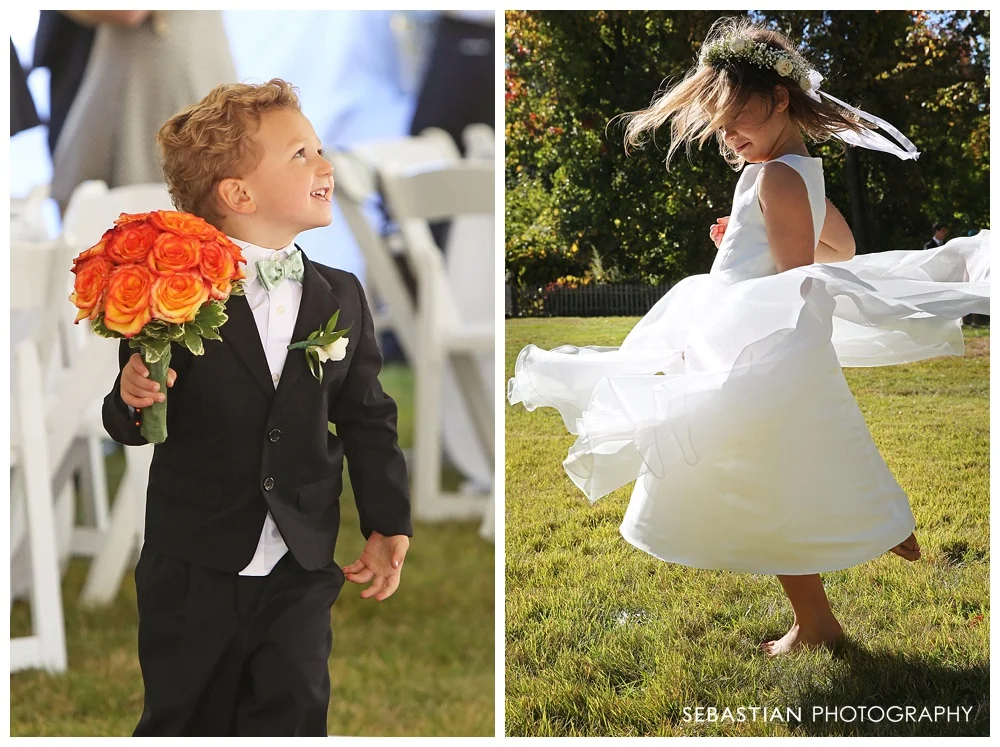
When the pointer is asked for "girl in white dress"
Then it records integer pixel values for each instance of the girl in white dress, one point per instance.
(726, 404)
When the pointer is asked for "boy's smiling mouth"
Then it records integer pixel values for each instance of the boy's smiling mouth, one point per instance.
(323, 193)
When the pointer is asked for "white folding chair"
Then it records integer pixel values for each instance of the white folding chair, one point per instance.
(356, 192)
(445, 336)
(31, 478)
(91, 210)
(479, 142)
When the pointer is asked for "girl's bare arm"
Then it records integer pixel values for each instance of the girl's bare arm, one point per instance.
(836, 242)
(784, 202)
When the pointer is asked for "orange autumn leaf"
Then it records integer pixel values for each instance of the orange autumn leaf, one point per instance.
(126, 308)
(177, 298)
(173, 253)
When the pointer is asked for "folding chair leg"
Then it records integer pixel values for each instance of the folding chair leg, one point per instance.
(97, 481)
(121, 540)
(47, 647)
(429, 370)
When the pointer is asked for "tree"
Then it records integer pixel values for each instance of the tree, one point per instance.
(572, 192)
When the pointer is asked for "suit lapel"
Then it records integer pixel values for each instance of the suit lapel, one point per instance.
(315, 309)
(240, 332)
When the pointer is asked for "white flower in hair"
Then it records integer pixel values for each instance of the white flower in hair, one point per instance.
(738, 44)
(783, 66)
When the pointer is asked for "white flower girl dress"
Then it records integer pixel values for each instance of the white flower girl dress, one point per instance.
(727, 406)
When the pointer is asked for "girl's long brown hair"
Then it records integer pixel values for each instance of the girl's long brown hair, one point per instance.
(712, 95)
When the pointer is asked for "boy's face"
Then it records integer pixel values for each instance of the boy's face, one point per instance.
(292, 187)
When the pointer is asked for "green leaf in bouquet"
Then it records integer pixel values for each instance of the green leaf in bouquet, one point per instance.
(154, 351)
(101, 330)
(237, 289)
(212, 314)
(211, 334)
(193, 342)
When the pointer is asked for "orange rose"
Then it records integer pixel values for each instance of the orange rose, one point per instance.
(126, 308)
(131, 242)
(183, 224)
(173, 253)
(218, 268)
(177, 298)
(233, 247)
(124, 218)
(96, 249)
(89, 286)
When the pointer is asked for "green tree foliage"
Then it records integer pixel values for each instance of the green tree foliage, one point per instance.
(572, 193)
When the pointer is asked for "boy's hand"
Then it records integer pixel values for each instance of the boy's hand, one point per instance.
(137, 389)
(718, 230)
(381, 562)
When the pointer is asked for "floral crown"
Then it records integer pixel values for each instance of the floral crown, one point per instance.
(757, 53)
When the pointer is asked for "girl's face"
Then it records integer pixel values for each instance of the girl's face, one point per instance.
(752, 134)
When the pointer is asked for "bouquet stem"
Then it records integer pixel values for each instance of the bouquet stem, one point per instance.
(154, 419)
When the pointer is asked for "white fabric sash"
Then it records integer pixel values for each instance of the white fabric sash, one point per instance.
(869, 139)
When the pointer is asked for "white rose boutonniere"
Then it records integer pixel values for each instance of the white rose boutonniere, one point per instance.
(325, 344)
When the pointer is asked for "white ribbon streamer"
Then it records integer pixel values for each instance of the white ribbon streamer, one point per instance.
(869, 139)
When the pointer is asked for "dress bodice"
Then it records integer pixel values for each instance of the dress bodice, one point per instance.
(744, 252)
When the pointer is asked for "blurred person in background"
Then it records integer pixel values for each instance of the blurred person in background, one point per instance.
(62, 46)
(458, 86)
(939, 237)
(144, 66)
(22, 107)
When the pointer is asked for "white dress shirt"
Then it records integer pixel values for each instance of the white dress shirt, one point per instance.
(275, 315)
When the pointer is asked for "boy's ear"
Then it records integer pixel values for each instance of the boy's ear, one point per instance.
(233, 195)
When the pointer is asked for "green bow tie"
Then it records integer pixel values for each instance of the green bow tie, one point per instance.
(272, 271)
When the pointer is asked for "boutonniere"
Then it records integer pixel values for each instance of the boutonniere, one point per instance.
(325, 344)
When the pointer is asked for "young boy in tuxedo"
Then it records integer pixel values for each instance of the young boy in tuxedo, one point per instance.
(236, 577)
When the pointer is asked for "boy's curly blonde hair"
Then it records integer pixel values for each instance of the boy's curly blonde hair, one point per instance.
(714, 92)
(211, 141)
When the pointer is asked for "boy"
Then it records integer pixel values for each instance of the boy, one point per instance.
(236, 578)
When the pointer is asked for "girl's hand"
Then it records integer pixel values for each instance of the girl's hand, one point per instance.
(137, 389)
(718, 229)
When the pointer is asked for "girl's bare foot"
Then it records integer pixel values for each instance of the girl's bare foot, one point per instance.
(798, 637)
(908, 548)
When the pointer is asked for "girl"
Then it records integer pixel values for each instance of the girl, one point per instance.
(726, 404)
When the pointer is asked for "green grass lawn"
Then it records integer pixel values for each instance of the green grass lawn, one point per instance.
(603, 639)
(421, 663)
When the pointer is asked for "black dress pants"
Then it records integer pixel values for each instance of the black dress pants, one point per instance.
(229, 655)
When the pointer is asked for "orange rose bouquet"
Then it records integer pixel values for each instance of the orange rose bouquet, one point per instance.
(157, 278)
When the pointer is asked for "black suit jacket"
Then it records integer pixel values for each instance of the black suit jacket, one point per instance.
(932, 244)
(236, 446)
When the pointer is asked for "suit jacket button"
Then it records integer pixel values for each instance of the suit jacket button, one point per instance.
(274, 435)
(268, 483)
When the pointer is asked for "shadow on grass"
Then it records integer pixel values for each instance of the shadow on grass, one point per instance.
(885, 679)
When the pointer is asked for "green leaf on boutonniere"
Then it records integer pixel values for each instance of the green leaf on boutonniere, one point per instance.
(333, 321)
(320, 338)
(314, 366)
